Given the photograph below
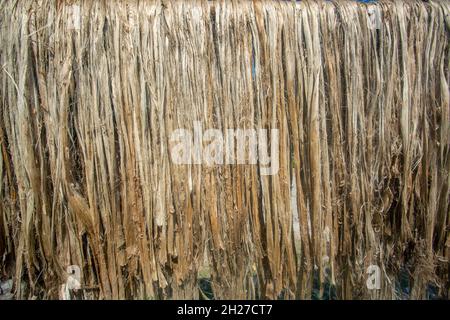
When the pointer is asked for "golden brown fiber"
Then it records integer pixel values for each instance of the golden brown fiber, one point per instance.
(87, 110)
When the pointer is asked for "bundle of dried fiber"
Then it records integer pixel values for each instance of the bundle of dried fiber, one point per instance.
(92, 91)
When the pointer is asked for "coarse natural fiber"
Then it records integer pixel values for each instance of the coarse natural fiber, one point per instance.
(364, 147)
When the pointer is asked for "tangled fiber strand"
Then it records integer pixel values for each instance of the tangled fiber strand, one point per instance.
(86, 114)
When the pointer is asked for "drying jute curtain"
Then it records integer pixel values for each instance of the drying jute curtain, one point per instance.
(92, 91)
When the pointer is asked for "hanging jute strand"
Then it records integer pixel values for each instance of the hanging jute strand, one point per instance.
(91, 93)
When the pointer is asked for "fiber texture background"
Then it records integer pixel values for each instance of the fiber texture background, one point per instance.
(86, 112)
